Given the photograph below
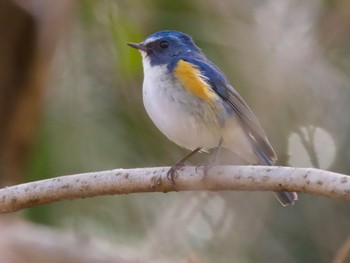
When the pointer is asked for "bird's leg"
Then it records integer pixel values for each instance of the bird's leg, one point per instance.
(173, 170)
(218, 150)
(214, 161)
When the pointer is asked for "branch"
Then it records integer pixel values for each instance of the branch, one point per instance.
(220, 178)
(22, 241)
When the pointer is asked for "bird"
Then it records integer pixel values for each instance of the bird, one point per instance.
(192, 103)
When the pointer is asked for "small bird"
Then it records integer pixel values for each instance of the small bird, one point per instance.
(191, 101)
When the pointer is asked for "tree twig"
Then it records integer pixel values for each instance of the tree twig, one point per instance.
(343, 252)
(220, 178)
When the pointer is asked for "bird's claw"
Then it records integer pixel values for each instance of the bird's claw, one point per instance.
(172, 173)
(199, 166)
(206, 168)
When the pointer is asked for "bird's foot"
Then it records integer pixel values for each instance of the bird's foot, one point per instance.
(172, 173)
(206, 167)
(213, 162)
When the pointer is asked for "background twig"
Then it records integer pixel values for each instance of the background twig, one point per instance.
(343, 252)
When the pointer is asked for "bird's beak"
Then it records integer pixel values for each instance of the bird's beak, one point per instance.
(138, 46)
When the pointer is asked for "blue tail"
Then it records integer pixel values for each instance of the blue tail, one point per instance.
(285, 198)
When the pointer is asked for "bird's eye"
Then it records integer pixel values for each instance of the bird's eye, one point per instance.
(163, 44)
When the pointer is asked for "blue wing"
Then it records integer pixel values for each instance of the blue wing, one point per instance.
(220, 85)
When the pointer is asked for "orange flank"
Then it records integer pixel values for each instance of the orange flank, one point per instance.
(190, 77)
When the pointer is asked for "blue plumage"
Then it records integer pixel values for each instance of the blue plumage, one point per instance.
(171, 34)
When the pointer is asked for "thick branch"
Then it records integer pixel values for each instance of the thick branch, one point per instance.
(220, 178)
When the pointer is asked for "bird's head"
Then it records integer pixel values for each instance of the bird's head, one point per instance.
(161, 48)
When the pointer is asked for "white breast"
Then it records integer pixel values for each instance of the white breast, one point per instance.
(169, 107)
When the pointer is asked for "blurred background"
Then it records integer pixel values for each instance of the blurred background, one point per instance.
(70, 102)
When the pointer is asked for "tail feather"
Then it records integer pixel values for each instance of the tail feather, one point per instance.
(285, 198)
